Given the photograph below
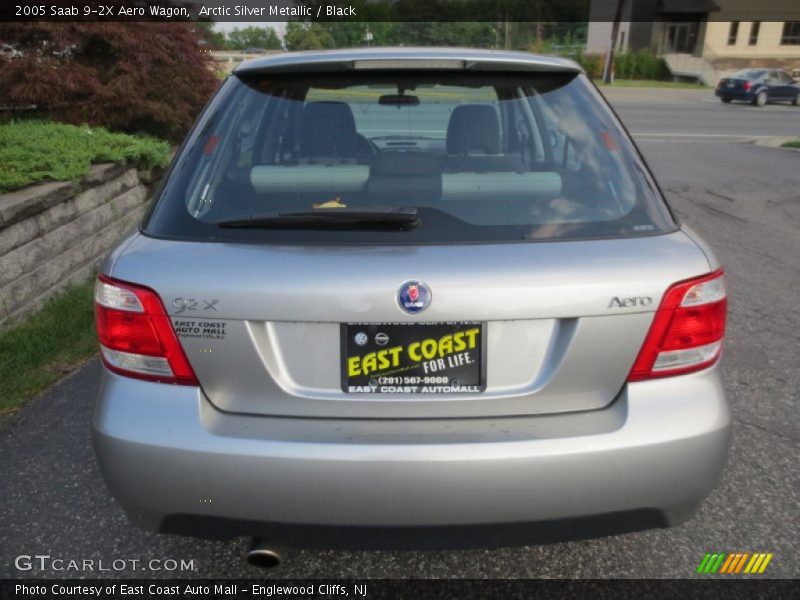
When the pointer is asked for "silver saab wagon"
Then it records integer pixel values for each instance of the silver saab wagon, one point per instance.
(385, 296)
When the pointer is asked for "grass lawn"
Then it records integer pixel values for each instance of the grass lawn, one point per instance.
(46, 346)
(678, 85)
(35, 151)
(792, 144)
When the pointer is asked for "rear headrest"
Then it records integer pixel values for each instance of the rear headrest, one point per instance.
(328, 129)
(473, 127)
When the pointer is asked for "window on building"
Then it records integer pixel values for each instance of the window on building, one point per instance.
(754, 32)
(791, 33)
(733, 33)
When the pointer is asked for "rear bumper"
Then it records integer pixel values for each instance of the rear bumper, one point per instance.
(176, 463)
(733, 94)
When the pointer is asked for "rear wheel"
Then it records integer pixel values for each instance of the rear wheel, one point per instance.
(796, 100)
(760, 99)
(725, 100)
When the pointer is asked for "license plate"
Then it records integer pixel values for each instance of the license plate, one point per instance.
(730, 84)
(426, 358)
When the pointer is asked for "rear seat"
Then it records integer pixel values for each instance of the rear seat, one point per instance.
(473, 146)
(326, 167)
(474, 142)
(404, 177)
(328, 131)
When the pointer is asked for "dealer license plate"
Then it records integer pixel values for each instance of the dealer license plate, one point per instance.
(425, 358)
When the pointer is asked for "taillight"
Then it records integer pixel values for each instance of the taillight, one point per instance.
(687, 330)
(747, 85)
(136, 335)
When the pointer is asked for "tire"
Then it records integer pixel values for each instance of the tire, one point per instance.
(796, 100)
(760, 99)
(725, 100)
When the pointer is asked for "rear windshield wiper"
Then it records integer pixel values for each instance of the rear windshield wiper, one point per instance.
(379, 218)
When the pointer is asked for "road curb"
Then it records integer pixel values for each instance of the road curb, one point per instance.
(774, 142)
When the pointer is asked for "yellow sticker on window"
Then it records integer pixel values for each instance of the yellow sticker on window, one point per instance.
(335, 203)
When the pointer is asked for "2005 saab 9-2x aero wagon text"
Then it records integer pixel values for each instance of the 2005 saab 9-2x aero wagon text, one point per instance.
(386, 295)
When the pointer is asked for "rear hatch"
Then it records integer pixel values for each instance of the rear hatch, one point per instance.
(562, 322)
(505, 260)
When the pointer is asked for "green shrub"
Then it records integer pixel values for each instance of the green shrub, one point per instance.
(639, 65)
(627, 65)
(592, 63)
(33, 151)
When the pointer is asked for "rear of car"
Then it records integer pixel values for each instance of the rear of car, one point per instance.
(741, 85)
(413, 290)
(758, 86)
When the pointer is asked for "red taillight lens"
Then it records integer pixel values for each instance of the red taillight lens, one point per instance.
(136, 335)
(747, 85)
(687, 330)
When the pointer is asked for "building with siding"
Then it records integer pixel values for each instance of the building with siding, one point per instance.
(703, 39)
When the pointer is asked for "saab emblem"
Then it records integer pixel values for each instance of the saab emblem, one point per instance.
(413, 297)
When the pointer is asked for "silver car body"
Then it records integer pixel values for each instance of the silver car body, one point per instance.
(270, 439)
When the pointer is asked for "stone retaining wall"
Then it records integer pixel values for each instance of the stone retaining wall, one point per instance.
(55, 234)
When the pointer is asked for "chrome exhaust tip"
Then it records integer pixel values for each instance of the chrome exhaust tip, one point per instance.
(262, 556)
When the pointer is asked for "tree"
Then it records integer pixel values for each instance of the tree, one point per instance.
(337, 34)
(519, 24)
(216, 40)
(254, 37)
(307, 36)
(470, 34)
(133, 77)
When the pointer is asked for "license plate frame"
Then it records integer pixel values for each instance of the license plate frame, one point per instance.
(454, 365)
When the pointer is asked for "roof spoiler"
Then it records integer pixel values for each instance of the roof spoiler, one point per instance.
(356, 60)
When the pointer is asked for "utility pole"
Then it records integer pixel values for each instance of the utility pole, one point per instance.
(614, 33)
(538, 24)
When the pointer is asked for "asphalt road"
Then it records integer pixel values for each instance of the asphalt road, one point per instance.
(698, 115)
(742, 198)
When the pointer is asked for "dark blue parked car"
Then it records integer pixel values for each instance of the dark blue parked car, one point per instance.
(759, 86)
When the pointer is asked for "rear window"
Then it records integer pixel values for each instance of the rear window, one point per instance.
(748, 74)
(478, 158)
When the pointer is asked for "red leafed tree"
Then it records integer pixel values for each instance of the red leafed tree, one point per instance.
(133, 77)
